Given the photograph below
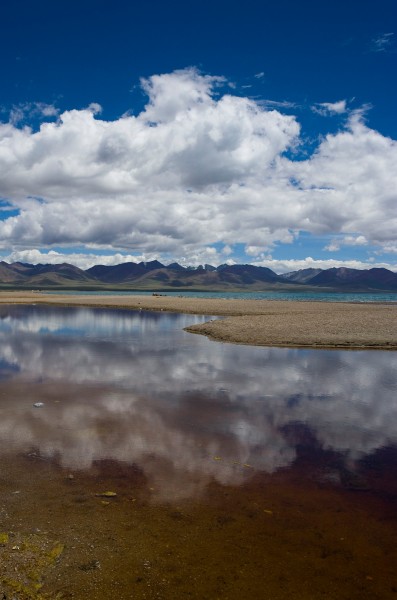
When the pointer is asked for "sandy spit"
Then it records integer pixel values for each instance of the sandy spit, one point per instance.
(257, 322)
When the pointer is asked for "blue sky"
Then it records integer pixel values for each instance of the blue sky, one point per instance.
(210, 132)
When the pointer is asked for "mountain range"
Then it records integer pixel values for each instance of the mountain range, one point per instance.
(155, 276)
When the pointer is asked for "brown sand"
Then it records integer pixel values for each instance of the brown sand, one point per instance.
(278, 537)
(257, 322)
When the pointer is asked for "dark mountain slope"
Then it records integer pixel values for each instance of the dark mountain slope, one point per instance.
(124, 272)
(8, 274)
(372, 279)
(34, 274)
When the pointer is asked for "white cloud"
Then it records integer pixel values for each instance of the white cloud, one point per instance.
(330, 108)
(48, 110)
(20, 112)
(348, 240)
(333, 246)
(382, 43)
(195, 167)
(95, 108)
(349, 185)
(81, 260)
(276, 104)
(255, 250)
(227, 250)
(389, 248)
(286, 266)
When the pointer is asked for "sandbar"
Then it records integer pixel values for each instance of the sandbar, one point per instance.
(256, 322)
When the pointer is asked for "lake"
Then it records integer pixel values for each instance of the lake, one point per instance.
(141, 461)
(301, 296)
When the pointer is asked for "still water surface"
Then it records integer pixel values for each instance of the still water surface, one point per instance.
(240, 472)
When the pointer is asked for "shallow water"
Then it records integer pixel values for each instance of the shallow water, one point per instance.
(239, 472)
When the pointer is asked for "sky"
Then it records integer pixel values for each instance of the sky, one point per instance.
(212, 132)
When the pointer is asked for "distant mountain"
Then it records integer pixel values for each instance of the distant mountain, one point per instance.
(176, 267)
(118, 273)
(372, 279)
(41, 275)
(301, 276)
(155, 276)
(342, 278)
(247, 274)
(152, 265)
(8, 274)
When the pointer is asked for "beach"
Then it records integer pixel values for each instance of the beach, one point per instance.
(256, 322)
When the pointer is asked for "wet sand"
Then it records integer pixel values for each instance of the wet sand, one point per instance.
(257, 322)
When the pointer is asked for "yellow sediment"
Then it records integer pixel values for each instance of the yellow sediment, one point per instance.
(25, 564)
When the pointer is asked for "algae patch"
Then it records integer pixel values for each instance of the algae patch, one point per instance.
(25, 564)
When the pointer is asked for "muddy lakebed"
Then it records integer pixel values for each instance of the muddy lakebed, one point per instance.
(140, 461)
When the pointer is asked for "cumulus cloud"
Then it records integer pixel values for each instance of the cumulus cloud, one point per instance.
(196, 167)
(286, 266)
(35, 256)
(390, 248)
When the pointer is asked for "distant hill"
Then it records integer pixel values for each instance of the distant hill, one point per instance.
(343, 278)
(301, 276)
(374, 279)
(155, 276)
(41, 275)
(118, 273)
(8, 274)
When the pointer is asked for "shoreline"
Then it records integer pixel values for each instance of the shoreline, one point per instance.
(292, 323)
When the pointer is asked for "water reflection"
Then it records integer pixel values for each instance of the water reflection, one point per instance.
(133, 386)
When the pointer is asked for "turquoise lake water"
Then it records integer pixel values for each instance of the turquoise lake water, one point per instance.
(301, 296)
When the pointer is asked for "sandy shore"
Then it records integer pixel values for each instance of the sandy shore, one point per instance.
(257, 322)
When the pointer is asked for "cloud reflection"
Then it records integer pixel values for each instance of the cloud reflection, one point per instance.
(134, 387)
